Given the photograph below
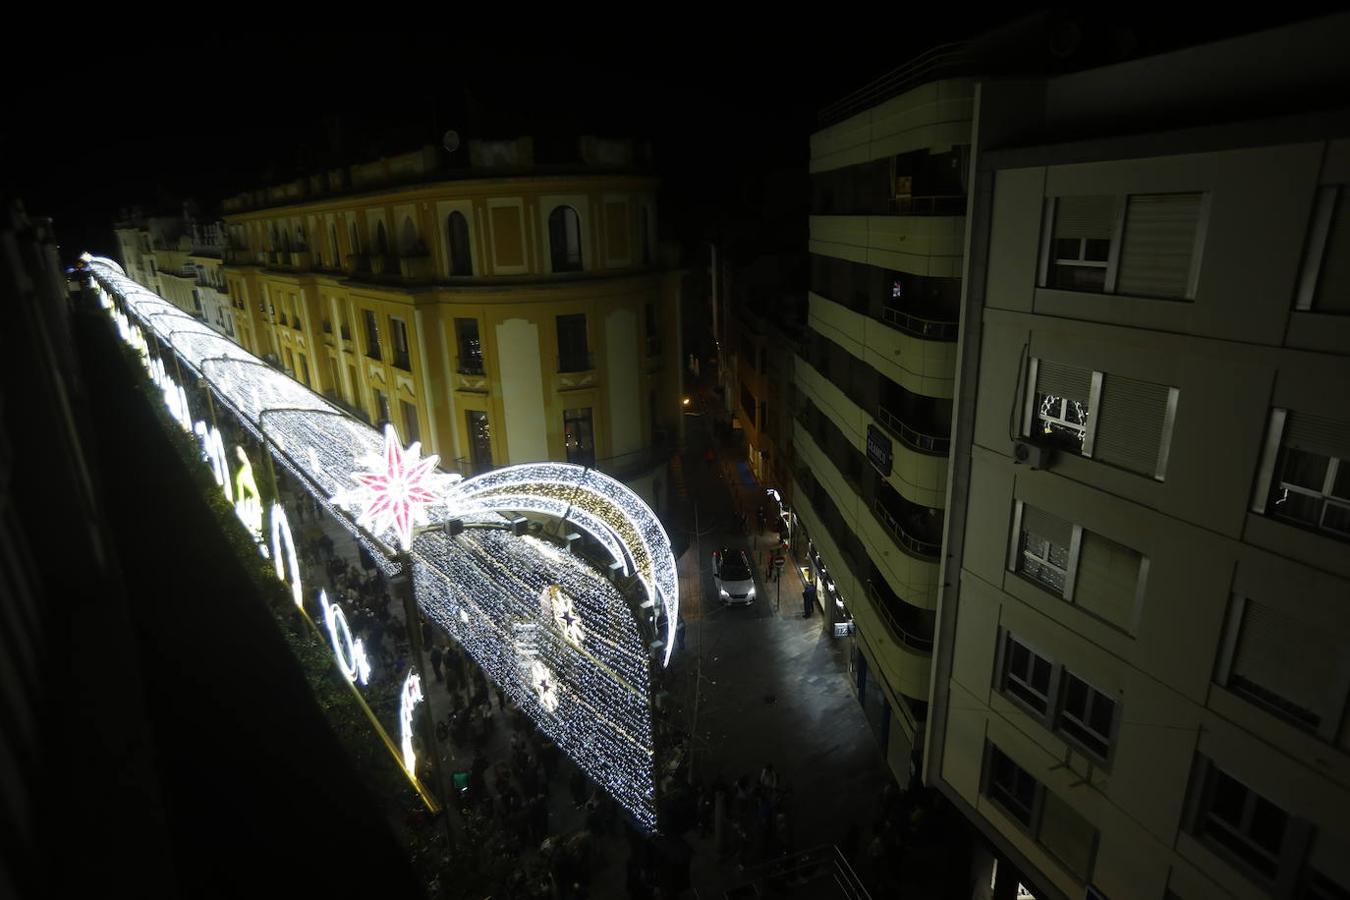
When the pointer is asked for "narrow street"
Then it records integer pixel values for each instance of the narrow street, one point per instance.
(761, 684)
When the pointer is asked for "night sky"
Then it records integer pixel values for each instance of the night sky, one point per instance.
(214, 115)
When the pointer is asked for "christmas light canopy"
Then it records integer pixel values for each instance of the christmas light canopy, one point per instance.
(563, 640)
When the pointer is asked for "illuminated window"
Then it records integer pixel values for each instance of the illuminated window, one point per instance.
(470, 347)
(480, 440)
(1059, 412)
(578, 436)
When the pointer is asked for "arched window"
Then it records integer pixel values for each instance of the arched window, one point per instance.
(356, 238)
(564, 238)
(333, 242)
(461, 262)
(408, 240)
(381, 240)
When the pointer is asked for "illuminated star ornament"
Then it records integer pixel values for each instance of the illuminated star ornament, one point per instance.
(397, 489)
(565, 615)
(545, 686)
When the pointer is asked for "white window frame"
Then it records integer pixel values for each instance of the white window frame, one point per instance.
(1033, 826)
(1082, 722)
(1032, 413)
(1006, 674)
(1293, 845)
(1112, 264)
(1325, 495)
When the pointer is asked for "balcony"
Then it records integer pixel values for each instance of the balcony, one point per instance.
(240, 256)
(302, 259)
(910, 637)
(383, 265)
(918, 440)
(358, 262)
(934, 205)
(417, 268)
(577, 362)
(917, 546)
(928, 329)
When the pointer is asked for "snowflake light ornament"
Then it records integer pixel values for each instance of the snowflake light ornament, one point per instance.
(545, 686)
(562, 609)
(397, 489)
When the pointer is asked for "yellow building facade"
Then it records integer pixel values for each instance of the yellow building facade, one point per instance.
(499, 319)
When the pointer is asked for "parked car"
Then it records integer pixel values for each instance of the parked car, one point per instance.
(732, 576)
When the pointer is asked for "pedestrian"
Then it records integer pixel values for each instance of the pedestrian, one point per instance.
(808, 600)
(436, 661)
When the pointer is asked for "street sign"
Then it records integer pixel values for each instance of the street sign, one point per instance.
(779, 562)
(843, 629)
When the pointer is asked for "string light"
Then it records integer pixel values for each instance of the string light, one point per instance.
(350, 653)
(281, 533)
(519, 605)
(409, 697)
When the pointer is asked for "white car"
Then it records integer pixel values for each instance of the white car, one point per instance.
(732, 576)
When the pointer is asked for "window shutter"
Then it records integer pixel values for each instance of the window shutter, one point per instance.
(1159, 240)
(1067, 835)
(1333, 282)
(1085, 217)
(1108, 580)
(1130, 424)
(1318, 434)
(1060, 380)
(1297, 662)
(1043, 524)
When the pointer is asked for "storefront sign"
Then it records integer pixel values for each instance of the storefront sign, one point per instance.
(879, 450)
(843, 629)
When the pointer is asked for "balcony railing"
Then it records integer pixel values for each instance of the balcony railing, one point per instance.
(902, 537)
(576, 362)
(932, 205)
(358, 262)
(942, 61)
(924, 443)
(417, 268)
(929, 329)
(908, 638)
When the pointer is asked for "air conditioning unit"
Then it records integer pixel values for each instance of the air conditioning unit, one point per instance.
(1034, 455)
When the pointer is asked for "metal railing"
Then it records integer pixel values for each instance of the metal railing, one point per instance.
(823, 867)
(576, 362)
(906, 540)
(925, 443)
(928, 205)
(909, 639)
(930, 329)
(943, 60)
